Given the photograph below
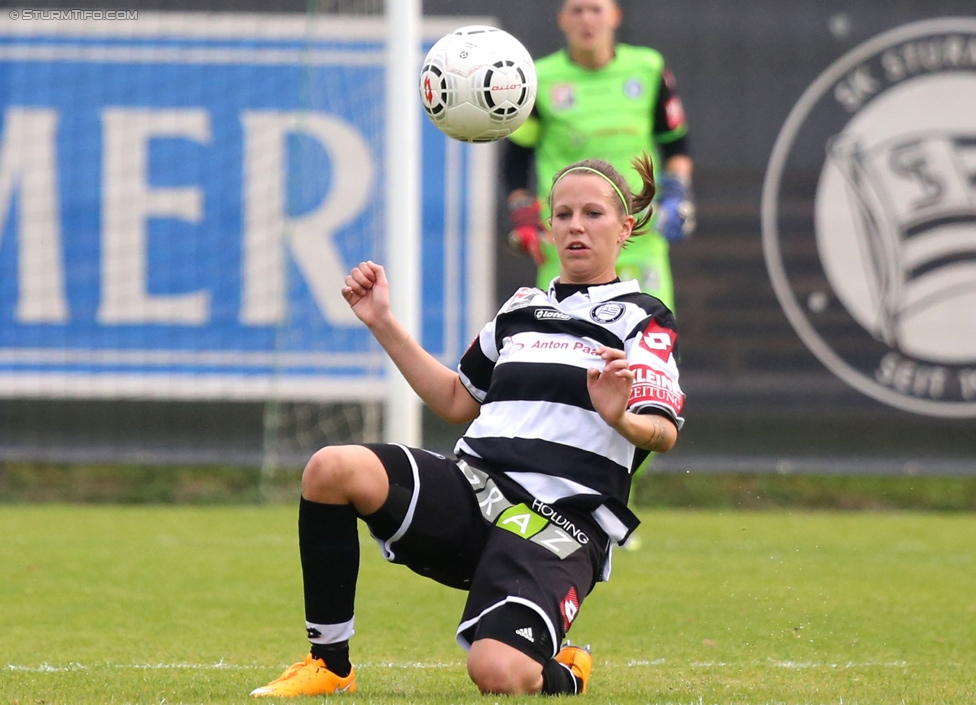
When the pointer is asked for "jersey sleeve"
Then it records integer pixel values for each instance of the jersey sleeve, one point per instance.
(527, 135)
(516, 166)
(478, 363)
(670, 122)
(651, 351)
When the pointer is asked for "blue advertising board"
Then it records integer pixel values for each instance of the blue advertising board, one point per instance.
(181, 196)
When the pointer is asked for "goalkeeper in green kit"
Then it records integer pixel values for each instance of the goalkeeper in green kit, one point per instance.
(600, 99)
(603, 100)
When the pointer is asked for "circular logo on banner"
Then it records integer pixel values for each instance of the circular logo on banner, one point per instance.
(869, 218)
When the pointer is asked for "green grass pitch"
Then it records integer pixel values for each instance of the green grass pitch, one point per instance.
(162, 604)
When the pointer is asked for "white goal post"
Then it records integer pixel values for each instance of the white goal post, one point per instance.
(402, 417)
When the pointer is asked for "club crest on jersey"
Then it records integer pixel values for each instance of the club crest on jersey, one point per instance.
(607, 313)
(562, 96)
(633, 88)
(878, 275)
(658, 340)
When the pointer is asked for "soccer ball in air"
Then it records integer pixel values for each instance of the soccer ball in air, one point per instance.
(478, 84)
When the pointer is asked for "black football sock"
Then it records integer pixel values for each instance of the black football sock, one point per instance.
(336, 657)
(559, 680)
(328, 542)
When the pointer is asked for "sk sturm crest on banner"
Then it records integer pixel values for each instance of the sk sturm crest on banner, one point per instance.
(869, 218)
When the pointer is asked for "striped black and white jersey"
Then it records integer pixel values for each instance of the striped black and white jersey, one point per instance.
(537, 424)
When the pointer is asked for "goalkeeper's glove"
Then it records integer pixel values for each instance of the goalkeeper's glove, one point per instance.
(527, 229)
(675, 208)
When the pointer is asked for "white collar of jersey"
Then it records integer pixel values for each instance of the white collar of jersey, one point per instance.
(602, 292)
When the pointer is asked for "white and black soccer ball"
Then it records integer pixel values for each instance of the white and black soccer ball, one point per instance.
(478, 84)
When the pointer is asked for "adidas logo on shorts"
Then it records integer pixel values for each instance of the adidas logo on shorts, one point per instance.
(526, 633)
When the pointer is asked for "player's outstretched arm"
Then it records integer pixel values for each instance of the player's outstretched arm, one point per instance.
(367, 292)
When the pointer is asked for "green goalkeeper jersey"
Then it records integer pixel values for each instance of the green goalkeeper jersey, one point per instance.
(613, 113)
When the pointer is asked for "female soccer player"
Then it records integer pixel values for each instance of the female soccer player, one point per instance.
(567, 390)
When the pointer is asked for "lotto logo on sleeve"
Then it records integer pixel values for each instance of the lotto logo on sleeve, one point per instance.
(658, 340)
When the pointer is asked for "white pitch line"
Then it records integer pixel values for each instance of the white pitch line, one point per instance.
(633, 663)
(48, 668)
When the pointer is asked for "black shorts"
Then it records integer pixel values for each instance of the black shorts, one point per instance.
(522, 562)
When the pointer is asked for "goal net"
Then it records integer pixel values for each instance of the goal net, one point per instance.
(293, 430)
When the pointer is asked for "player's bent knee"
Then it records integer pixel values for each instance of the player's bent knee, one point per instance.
(495, 681)
(328, 475)
(503, 671)
(345, 475)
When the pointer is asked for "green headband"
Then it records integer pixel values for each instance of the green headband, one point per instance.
(599, 173)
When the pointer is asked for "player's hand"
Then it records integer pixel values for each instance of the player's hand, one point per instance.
(675, 208)
(527, 229)
(609, 388)
(367, 292)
